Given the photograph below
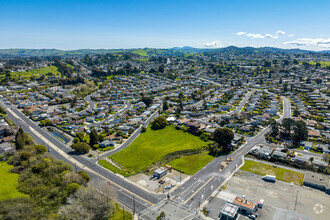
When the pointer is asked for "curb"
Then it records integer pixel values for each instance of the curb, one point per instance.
(216, 191)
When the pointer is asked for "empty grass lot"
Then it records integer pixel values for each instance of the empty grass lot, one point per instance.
(118, 214)
(8, 183)
(192, 163)
(280, 173)
(152, 146)
(36, 72)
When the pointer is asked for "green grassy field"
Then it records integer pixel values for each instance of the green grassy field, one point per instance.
(323, 63)
(280, 173)
(152, 146)
(120, 214)
(140, 52)
(36, 72)
(8, 183)
(192, 163)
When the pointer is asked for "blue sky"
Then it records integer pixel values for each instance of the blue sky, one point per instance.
(76, 24)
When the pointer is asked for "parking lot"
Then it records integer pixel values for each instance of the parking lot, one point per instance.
(281, 201)
(171, 179)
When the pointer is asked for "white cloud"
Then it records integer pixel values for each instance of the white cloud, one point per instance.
(214, 44)
(280, 32)
(258, 36)
(290, 35)
(271, 36)
(240, 33)
(319, 42)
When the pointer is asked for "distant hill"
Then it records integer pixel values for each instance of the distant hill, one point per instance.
(148, 52)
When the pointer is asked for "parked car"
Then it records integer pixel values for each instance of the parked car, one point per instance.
(151, 178)
(162, 182)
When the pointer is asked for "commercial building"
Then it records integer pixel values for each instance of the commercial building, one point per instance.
(317, 181)
(245, 206)
(160, 172)
(229, 211)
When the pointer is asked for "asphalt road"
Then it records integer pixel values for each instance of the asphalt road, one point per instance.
(125, 189)
(200, 186)
(190, 194)
(128, 105)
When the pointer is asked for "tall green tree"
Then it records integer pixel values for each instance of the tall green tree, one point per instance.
(274, 128)
(147, 100)
(224, 137)
(288, 124)
(165, 105)
(158, 123)
(300, 132)
(94, 139)
(81, 147)
(19, 139)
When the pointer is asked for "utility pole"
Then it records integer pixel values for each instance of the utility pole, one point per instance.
(295, 204)
(75, 167)
(133, 205)
(123, 213)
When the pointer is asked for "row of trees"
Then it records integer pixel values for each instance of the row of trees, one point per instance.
(296, 130)
(81, 146)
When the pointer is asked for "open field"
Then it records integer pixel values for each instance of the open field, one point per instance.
(36, 73)
(118, 214)
(192, 163)
(8, 183)
(323, 63)
(280, 173)
(140, 52)
(152, 147)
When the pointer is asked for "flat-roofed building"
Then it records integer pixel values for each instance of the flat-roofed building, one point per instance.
(245, 206)
(229, 211)
(317, 181)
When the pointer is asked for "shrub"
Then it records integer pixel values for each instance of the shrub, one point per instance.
(41, 149)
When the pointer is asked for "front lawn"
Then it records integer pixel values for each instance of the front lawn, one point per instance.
(152, 147)
(192, 163)
(280, 173)
(8, 183)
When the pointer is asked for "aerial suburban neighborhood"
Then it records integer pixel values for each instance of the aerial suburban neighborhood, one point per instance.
(184, 131)
(107, 114)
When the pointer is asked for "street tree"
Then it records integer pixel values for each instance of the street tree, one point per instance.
(81, 147)
(274, 128)
(288, 124)
(94, 139)
(224, 137)
(300, 132)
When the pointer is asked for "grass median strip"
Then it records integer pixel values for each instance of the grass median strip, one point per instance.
(280, 173)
